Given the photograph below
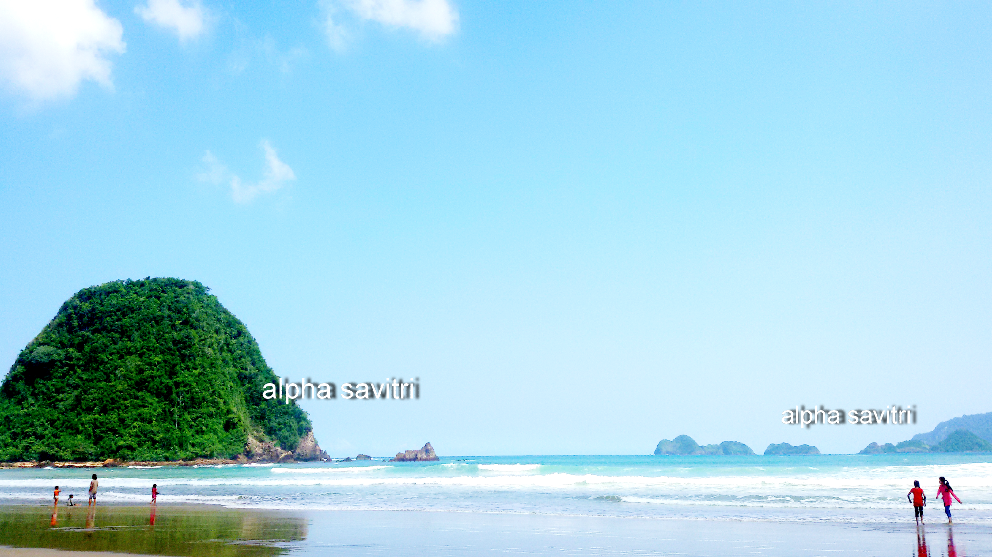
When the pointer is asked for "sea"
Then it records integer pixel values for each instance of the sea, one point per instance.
(825, 488)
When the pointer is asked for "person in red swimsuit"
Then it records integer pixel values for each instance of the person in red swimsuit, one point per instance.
(918, 499)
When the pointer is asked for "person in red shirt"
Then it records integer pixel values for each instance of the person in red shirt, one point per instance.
(918, 499)
(154, 493)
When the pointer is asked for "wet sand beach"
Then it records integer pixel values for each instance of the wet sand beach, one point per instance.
(181, 530)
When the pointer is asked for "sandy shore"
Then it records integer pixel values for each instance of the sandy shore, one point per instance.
(195, 531)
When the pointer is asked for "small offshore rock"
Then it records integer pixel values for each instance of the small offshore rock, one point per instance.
(425, 454)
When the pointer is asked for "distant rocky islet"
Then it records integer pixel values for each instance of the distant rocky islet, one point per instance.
(425, 454)
(964, 434)
(683, 445)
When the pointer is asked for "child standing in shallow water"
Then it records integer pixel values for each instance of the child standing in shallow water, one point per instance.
(93, 487)
(918, 499)
(945, 492)
(154, 493)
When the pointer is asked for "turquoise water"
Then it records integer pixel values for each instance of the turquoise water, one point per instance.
(848, 488)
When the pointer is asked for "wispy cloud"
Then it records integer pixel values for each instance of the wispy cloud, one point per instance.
(48, 47)
(337, 34)
(188, 20)
(274, 177)
(431, 19)
(250, 51)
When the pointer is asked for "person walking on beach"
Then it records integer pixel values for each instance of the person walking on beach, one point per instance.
(93, 487)
(56, 494)
(945, 492)
(154, 493)
(918, 499)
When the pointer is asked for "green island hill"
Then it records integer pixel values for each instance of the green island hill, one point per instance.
(685, 446)
(965, 434)
(787, 449)
(146, 370)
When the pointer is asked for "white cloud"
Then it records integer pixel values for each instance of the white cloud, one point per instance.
(275, 176)
(186, 21)
(433, 19)
(337, 34)
(47, 47)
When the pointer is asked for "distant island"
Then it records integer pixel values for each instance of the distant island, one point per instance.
(147, 370)
(685, 445)
(426, 454)
(787, 449)
(965, 434)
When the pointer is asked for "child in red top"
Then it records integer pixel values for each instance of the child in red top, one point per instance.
(945, 492)
(154, 493)
(918, 499)
(57, 494)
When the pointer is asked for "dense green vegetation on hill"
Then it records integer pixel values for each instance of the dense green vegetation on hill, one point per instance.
(962, 441)
(979, 424)
(968, 433)
(152, 369)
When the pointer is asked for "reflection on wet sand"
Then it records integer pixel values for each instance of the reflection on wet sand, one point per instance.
(922, 550)
(170, 530)
(921, 541)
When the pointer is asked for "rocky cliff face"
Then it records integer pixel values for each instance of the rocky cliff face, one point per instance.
(308, 449)
(424, 454)
(264, 451)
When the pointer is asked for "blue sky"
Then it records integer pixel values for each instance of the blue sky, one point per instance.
(584, 226)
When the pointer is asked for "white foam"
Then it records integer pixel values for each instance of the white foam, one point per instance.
(509, 468)
(328, 470)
